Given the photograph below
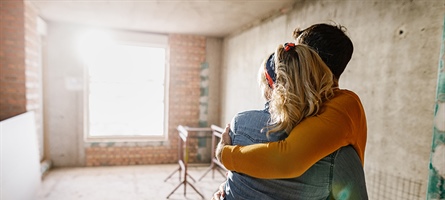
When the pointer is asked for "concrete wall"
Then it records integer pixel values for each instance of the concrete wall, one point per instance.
(213, 58)
(393, 70)
(63, 97)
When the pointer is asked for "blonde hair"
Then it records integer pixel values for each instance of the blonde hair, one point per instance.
(303, 83)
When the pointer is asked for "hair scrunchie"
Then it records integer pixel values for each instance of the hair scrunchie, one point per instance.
(289, 46)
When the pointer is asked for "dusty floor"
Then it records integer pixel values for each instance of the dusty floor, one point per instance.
(144, 182)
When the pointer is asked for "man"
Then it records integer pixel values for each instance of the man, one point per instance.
(341, 124)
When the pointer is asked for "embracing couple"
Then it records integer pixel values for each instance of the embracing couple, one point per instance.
(309, 141)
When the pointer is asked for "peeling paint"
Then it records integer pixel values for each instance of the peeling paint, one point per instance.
(438, 160)
(203, 152)
(436, 181)
(439, 120)
(204, 96)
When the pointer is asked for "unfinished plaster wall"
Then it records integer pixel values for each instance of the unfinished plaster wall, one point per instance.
(242, 57)
(213, 58)
(393, 70)
(63, 95)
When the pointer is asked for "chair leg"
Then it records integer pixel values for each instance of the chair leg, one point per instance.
(179, 169)
(202, 196)
(182, 183)
(205, 173)
(191, 178)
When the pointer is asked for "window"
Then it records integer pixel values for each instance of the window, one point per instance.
(125, 90)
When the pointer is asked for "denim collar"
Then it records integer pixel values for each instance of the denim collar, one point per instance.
(266, 107)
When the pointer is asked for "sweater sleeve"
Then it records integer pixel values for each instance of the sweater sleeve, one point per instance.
(311, 140)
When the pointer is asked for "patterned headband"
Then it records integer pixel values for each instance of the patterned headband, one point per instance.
(270, 71)
(270, 65)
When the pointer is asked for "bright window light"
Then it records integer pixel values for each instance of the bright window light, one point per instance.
(93, 45)
(126, 90)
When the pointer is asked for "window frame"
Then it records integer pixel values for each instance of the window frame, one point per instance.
(132, 39)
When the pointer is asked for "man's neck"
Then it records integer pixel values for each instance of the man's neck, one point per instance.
(335, 83)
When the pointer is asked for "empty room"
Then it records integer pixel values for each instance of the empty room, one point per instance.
(222, 99)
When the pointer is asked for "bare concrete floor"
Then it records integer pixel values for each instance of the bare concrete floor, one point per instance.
(141, 182)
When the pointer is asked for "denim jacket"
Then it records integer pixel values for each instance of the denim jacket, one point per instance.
(337, 176)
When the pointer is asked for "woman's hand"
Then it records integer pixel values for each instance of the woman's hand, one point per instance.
(220, 193)
(225, 140)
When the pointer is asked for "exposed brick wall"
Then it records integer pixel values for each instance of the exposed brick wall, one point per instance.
(186, 55)
(33, 67)
(12, 58)
(20, 70)
(130, 155)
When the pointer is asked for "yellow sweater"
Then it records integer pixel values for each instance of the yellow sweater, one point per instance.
(340, 122)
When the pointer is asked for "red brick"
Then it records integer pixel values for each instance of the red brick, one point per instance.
(187, 54)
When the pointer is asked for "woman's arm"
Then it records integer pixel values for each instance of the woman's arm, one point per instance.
(340, 123)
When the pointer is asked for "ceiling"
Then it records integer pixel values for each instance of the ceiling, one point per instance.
(217, 18)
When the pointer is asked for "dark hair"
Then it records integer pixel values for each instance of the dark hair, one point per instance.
(330, 42)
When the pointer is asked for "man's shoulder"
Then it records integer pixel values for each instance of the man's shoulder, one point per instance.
(344, 93)
(345, 97)
(345, 103)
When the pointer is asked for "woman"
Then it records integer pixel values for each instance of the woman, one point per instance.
(295, 82)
